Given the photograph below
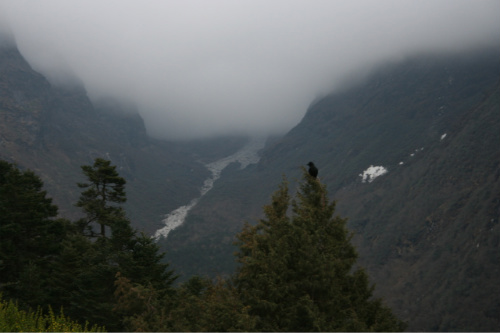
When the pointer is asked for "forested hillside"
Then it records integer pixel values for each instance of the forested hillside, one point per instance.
(296, 272)
(427, 230)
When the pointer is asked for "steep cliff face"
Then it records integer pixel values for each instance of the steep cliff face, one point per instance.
(54, 130)
(428, 228)
(22, 97)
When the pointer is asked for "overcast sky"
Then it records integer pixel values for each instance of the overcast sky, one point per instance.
(199, 68)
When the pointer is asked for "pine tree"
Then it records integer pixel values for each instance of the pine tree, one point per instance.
(83, 281)
(105, 187)
(297, 270)
(143, 264)
(50, 262)
(30, 236)
(90, 266)
(137, 256)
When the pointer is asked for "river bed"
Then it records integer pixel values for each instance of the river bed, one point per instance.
(247, 155)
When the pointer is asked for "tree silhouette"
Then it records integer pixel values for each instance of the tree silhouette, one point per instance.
(297, 271)
(105, 187)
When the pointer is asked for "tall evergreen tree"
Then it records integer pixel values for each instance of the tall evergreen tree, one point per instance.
(143, 264)
(82, 281)
(90, 267)
(30, 236)
(46, 261)
(104, 188)
(297, 270)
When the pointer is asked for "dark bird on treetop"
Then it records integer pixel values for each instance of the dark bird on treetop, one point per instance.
(313, 171)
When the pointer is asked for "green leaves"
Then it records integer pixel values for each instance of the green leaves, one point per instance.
(297, 271)
(29, 236)
(12, 319)
(52, 262)
(297, 266)
(135, 257)
(104, 188)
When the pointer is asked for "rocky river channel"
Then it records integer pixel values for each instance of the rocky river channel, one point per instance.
(247, 155)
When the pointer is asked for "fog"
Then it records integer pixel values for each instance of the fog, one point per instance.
(211, 67)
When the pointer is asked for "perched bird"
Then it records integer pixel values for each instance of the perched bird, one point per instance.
(313, 171)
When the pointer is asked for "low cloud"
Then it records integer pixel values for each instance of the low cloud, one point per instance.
(203, 68)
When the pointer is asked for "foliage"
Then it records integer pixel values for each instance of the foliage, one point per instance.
(140, 306)
(55, 263)
(12, 319)
(297, 273)
(83, 281)
(105, 186)
(25, 213)
(89, 267)
(297, 270)
(29, 234)
(205, 305)
(199, 304)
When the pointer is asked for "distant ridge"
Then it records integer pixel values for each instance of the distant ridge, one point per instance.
(53, 131)
(428, 228)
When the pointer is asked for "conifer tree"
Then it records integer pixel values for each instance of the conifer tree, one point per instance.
(95, 264)
(297, 270)
(49, 262)
(104, 188)
(143, 264)
(30, 236)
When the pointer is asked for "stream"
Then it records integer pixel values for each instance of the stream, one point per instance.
(247, 155)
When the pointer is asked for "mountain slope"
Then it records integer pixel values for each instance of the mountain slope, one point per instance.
(432, 122)
(428, 231)
(54, 130)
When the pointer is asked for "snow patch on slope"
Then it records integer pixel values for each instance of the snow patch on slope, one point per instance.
(372, 172)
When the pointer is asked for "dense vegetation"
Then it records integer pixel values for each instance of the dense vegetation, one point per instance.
(295, 273)
(12, 319)
(48, 261)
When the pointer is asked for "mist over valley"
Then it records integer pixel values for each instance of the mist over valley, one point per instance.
(204, 111)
